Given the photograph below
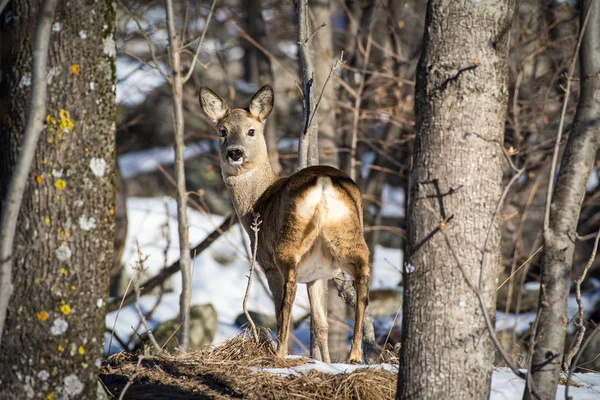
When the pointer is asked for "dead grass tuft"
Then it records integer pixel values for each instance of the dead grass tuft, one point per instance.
(233, 370)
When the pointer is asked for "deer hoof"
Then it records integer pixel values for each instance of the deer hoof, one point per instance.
(354, 359)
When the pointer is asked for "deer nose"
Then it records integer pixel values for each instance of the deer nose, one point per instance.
(235, 154)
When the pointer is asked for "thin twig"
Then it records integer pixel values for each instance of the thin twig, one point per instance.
(137, 303)
(522, 265)
(307, 41)
(562, 121)
(36, 112)
(135, 270)
(576, 360)
(175, 267)
(357, 103)
(193, 65)
(333, 68)
(255, 228)
(579, 317)
(148, 43)
(488, 234)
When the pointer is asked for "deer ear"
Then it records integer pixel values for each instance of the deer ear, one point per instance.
(261, 104)
(213, 106)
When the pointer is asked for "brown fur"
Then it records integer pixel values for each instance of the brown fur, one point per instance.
(312, 221)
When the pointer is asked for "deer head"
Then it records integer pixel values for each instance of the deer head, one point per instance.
(242, 143)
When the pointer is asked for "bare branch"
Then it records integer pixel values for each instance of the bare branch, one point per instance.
(148, 42)
(35, 122)
(151, 283)
(579, 317)
(193, 65)
(333, 68)
(576, 360)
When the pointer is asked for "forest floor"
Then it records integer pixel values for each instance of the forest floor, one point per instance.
(243, 368)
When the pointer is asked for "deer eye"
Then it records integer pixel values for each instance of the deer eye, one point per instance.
(250, 132)
(223, 132)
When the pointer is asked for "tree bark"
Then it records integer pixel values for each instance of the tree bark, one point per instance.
(455, 184)
(64, 240)
(560, 235)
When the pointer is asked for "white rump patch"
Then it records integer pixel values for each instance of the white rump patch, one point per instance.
(323, 194)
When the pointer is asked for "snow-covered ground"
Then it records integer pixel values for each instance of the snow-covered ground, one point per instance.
(505, 385)
(220, 278)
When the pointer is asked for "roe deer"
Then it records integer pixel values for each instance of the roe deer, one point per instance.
(312, 221)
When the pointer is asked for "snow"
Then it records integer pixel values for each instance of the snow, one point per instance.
(135, 81)
(145, 161)
(505, 386)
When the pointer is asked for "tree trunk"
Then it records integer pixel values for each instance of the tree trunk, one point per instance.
(323, 43)
(64, 242)
(559, 236)
(455, 184)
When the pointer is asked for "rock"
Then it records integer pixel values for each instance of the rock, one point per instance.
(261, 320)
(384, 302)
(203, 327)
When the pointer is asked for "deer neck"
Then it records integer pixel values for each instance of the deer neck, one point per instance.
(246, 188)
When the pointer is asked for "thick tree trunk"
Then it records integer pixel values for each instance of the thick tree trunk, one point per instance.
(456, 178)
(64, 243)
(560, 235)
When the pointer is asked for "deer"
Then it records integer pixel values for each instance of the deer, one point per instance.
(311, 221)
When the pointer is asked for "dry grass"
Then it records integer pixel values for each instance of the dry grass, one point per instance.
(232, 370)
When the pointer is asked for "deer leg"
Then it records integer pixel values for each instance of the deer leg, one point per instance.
(317, 295)
(289, 294)
(275, 281)
(361, 282)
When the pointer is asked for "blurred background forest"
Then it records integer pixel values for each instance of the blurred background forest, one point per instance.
(366, 128)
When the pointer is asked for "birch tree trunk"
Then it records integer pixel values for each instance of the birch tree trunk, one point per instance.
(64, 242)
(560, 236)
(455, 184)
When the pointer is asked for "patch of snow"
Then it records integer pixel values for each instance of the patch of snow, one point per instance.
(135, 81)
(393, 199)
(144, 161)
(287, 144)
(367, 159)
(507, 386)
(593, 180)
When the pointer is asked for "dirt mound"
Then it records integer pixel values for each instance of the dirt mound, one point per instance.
(234, 370)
